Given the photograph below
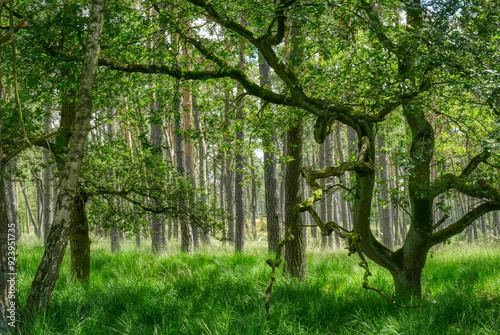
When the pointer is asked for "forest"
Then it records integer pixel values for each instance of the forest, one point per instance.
(249, 167)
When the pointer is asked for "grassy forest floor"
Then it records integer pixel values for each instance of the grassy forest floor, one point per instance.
(218, 292)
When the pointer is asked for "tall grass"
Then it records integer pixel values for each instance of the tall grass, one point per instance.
(218, 292)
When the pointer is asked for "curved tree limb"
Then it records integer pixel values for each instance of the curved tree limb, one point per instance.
(463, 222)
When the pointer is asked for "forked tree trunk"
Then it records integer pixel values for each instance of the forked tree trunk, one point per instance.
(48, 270)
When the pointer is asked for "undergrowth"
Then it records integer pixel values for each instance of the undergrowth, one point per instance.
(219, 292)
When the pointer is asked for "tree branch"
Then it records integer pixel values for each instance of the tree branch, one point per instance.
(223, 72)
(465, 221)
(26, 145)
(450, 181)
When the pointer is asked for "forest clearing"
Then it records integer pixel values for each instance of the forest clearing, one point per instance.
(249, 167)
(218, 292)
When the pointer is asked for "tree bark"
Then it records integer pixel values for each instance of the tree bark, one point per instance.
(115, 230)
(80, 240)
(32, 219)
(12, 198)
(253, 199)
(239, 231)
(229, 187)
(9, 233)
(222, 181)
(295, 254)
(47, 176)
(385, 206)
(322, 182)
(271, 186)
(343, 204)
(158, 235)
(186, 231)
(48, 270)
(202, 172)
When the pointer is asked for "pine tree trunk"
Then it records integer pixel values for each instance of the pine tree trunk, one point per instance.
(322, 182)
(187, 106)
(186, 231)
(385, 207)
(253, 200)
(343, 204)
(271, 186)
(222, 182)
(496, 222)
(48, 270)
(239, 231)
(30, 212)
(115, 230)
(202, 172)
(158, 238)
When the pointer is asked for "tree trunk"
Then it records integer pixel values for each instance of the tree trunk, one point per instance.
(496, 221)
(115, 230)
(253, 200)
(385, 206)
(30, 212)
(9, 230)
(229, 177)
(239, 231)
(158, 238)
(343, 204)
(186, 231)
(202, 172)
(9, 303)
(80, 240)
(222, 181)
(352, 148)
(48, 270)
(12, 199)
(322, 182)
(271, 188)
(47, 176)
(295, 255)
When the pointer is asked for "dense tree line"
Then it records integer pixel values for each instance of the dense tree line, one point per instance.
(371, 125)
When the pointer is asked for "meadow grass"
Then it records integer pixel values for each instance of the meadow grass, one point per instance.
(219, 292)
